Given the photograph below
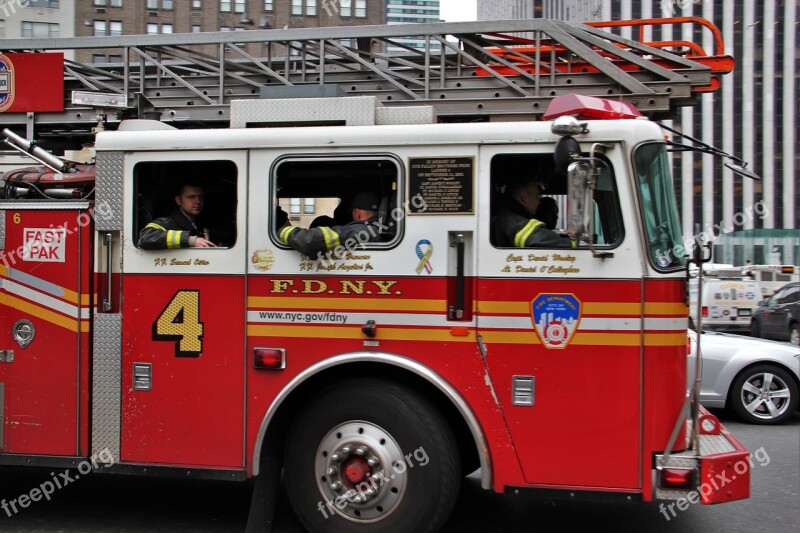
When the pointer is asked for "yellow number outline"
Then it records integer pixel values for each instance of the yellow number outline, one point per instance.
(179, 322)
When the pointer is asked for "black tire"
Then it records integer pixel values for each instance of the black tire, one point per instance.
(755, 329)
(357, 437)
(749, 386)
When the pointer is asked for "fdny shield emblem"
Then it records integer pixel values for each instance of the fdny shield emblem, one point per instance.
(556, 318)
(6, 83)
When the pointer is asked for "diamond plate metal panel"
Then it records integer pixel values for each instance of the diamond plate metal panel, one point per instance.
(354, 111)
(109, 191)
(2, 229)
(106, 401)
(394, 116)
(714, 444)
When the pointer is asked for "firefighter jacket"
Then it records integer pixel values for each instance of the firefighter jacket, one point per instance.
(513, 227)
(314, 242)
(173, 231)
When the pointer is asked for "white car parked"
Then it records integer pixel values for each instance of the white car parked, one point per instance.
(759, 379)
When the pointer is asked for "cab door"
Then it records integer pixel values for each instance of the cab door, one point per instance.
(44, 271)
(183, 318)
(561, 330)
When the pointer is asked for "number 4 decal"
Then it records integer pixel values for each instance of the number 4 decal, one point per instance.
(180, 322)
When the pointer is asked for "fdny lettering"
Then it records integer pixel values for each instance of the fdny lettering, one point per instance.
(316, 286)
(46, 245)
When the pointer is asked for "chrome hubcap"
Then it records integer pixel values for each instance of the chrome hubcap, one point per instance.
(360, 472)
(766, 396)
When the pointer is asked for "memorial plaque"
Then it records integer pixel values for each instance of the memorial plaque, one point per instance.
(444, 183)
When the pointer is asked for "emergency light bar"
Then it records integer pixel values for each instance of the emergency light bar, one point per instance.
(589, 108)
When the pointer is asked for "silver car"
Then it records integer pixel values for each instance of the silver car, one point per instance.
(759, 379)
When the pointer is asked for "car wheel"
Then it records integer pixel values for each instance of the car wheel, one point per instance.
(755, 330)
(371, 457)
(764, 394)
(794, 334)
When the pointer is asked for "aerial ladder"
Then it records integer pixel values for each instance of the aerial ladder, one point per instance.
(475, 71)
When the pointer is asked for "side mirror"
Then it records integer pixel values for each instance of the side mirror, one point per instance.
(579, 205)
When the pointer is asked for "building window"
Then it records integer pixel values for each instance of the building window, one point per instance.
(196, 28)
(239, 6)
(42, 30)
(361, 8)
(116, 3)
(311, 8)
(166, 28)
(297, 7)
(114, 59)
(166, 5)
(100, 28)
(224, 28)
(98, 58)
(269, 5)
(346, 8)
(294, 206)
(100, 3)
(197, 4)
(115, 27)
(52, 4)
(152, 4)
(225, 6)
(309, 206)
(152, 29)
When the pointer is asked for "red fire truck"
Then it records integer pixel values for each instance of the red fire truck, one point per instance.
(376, 376)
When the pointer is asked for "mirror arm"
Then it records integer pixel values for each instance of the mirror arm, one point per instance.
(602, 254)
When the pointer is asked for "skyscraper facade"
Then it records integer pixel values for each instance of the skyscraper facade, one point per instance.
(752, 115)
(410, 12)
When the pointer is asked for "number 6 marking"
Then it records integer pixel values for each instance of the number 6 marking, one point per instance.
(180, 322)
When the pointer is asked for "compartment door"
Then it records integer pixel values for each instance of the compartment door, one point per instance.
(43, 328)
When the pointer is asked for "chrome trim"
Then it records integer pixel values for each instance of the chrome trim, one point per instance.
(38, 205)
(2, 229)
(394, 360)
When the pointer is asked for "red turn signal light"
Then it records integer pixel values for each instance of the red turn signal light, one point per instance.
(269, 358)
(676, 478)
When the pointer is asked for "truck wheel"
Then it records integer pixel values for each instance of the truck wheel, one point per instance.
(764, 394)
(371, 457)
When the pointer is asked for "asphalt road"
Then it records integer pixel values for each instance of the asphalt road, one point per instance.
(130, 504)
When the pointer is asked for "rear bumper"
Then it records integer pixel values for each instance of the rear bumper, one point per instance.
(719, 473)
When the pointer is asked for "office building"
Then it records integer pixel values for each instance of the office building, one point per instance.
(752, 115)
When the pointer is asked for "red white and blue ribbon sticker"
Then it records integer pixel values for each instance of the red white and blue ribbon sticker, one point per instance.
(424, 256)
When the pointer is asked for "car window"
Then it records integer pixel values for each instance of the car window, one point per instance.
(790, 295)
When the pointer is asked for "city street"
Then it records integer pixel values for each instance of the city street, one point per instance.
(129, 504)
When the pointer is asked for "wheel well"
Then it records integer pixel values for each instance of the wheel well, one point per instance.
(792, 376)
(277, 431)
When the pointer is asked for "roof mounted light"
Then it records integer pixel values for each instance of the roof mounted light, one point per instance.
(568, 125)
(589, 108)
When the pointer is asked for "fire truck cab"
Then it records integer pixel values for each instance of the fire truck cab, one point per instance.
(378, 374)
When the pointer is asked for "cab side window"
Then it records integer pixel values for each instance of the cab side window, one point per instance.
(311, 192)
(157, 183)
(552, 210)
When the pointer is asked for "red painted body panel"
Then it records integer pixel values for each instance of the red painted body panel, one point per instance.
(194, 413)
(45, 279)
(34, 82)
(587, 395)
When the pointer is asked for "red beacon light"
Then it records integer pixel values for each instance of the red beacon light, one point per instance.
(589, 108)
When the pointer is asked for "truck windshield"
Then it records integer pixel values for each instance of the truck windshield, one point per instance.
(661, 221)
